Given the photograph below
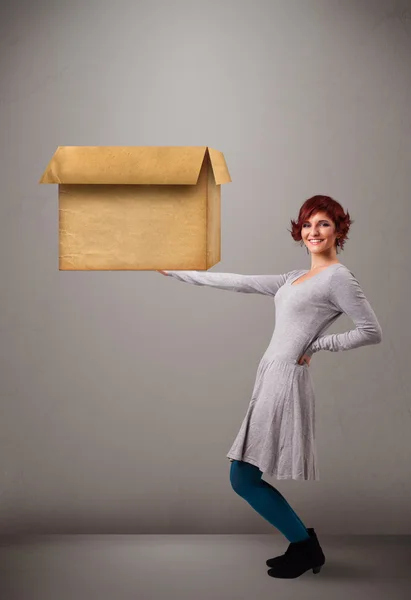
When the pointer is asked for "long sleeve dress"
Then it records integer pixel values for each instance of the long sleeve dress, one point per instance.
(278, 431)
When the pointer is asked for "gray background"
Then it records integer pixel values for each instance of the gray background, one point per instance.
(121, 392)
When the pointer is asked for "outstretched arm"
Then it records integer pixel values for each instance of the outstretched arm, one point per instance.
(347, 297)
(248, 284)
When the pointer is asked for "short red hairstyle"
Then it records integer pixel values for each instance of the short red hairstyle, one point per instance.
(334, 211)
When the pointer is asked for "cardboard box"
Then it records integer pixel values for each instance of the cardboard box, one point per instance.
(138, 207)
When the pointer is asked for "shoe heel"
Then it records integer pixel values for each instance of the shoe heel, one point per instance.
(316, 569)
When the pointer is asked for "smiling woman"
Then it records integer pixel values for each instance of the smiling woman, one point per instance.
(277, 434)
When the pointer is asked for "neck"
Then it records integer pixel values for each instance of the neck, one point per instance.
(323, 261)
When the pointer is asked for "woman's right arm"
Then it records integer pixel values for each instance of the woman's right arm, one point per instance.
(248, 284)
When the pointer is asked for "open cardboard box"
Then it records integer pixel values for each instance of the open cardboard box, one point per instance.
(138, 207)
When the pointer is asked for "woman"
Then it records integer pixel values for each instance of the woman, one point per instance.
(277, 435)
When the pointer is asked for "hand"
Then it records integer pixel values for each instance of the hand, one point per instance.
(305, 359)
(162, 272)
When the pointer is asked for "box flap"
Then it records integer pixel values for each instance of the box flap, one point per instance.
(145, 165)
(219, 166)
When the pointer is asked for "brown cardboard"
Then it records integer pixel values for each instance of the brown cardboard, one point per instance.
(138, 207)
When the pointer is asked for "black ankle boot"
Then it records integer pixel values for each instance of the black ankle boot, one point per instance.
(300, 557)
(272, 562)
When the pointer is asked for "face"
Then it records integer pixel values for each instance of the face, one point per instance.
(319, 227)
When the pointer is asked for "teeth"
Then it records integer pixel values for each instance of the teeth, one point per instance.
(316, 241)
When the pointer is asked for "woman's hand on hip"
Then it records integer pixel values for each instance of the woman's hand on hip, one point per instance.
(304, 359)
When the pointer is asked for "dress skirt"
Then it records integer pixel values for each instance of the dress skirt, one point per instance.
(277, 434)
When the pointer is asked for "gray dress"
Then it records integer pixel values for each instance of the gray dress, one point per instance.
(277, 434)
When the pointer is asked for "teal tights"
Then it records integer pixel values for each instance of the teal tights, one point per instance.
(246, 481)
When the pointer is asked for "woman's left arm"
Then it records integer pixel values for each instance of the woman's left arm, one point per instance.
(347, 297)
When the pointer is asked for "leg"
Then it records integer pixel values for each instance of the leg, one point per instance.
(266, 500)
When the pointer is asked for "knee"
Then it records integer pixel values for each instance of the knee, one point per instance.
(238, 478)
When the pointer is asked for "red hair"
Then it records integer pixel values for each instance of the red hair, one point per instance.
(334, 211)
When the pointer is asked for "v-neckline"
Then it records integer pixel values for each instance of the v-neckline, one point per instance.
(312, 276)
